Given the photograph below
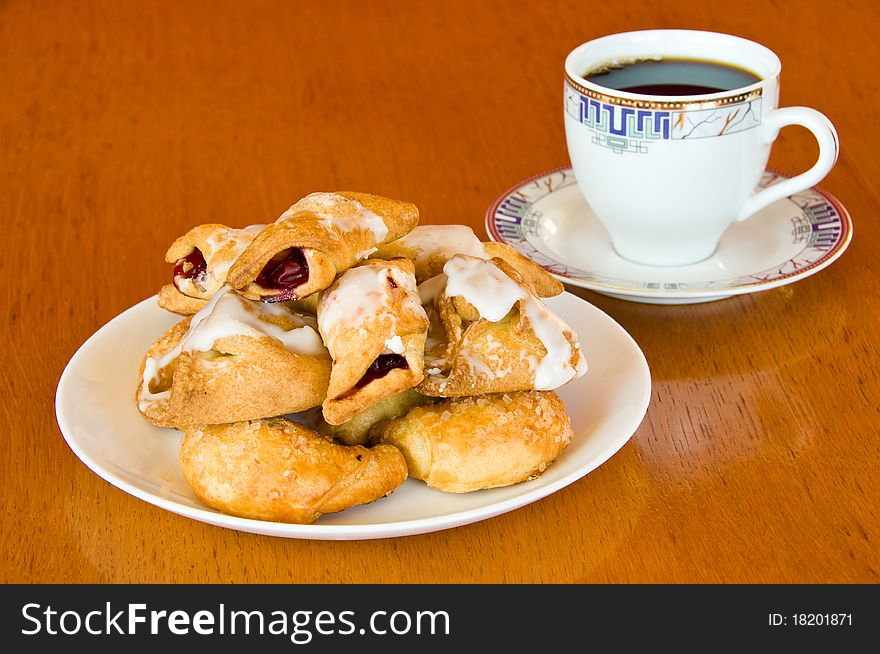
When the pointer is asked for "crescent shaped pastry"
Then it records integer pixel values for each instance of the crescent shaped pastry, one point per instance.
(466, 444)
(357, 430)
(202, 257)
(491, 334)
(234, 360)
(174, 301)
(319, 237)
(277, 470)
(374, 326)
(431, 246)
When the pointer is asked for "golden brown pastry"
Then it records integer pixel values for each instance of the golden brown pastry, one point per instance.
(319, 237)
(202, 257)
(543, 283)
(374, 326)
(174, 301)
(234, 360)
(466, 444)
(431, 246)
(277, 470)
(357, 430)
(491, 334)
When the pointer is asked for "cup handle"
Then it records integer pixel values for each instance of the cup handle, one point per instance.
(829, 148)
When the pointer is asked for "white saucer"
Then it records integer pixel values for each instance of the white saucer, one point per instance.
(547, 219)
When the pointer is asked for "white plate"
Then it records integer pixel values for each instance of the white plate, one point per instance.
(547, 219)
(97, 415)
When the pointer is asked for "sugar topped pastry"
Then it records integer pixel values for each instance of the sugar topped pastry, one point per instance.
(374, 326)
(233, 360)
(431, 246)
(463, 444)
(275, 469)
(315, 240)
(491, 333)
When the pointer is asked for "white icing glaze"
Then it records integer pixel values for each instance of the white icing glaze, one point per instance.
(234, 315)
(236, 240)
(151, 372)
(229, 314)
(341, 212)
(361, 293)
(395, 344)
(239, 239)
(493, 294)
(446, 240)
(358, 294)
(186, 285)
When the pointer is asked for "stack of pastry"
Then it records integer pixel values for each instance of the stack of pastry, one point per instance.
(324, 358)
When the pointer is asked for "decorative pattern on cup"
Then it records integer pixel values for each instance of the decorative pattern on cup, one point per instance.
(630, 125)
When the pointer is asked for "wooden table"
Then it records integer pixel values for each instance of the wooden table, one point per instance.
(123, 124)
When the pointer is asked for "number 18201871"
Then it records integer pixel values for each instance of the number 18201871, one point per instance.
(810, 620)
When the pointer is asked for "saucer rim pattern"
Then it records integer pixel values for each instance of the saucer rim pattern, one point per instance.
(713, 289)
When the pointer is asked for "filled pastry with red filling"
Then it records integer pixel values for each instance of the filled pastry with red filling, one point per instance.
(374, 326)
(202, 258)
(319, 237)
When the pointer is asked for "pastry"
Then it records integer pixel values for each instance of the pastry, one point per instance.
(491, 334)
(342, 325)
(277, 470)
(431, 246)
(357, 430)
(319, 237)
(465, 444)
(202, 257)
(234, 360)
(374, 326)
(173, 300)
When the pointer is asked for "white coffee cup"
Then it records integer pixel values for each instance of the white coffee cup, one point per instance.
(666, 175)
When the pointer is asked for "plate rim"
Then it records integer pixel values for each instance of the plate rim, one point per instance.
(346, 532)
(718, 293)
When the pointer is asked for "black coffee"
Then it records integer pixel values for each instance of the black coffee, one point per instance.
(672, 77)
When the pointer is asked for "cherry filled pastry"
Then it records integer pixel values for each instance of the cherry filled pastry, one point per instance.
(202, 258)
(374, 326)
(315, 240)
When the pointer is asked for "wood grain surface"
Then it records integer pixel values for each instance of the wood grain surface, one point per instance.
(122, 124)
